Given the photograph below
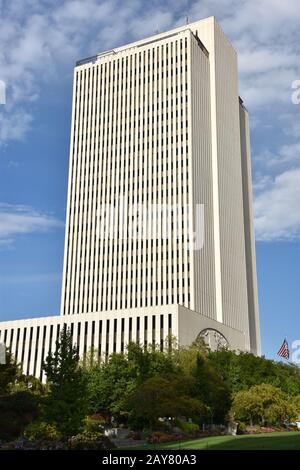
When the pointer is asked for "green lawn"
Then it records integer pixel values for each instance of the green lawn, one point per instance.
(270, 441)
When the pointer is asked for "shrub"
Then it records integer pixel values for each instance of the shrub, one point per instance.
(93, 425)
(160, 437)
(268, 429)
(89, 441)
(40, 430)
(242, 428)
(188, 427)
(16, 412)
(137, 423)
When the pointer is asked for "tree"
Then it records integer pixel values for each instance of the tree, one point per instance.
(160, 397)
(16, 411)
(10, 373)
(148, 362)
(263, 404)
(185, 357)
(110, 383)
(296, 403)
(212, 390)
(66, 403)
(242, 371)
(210, 387)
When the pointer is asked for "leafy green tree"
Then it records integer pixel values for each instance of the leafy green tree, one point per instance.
(212, 390)
(287, 377)
(212, 378)
(242, 371)
(186, 357)
(160, 397)
(210, 387)
(40, 430)
(263, 404)
(296, 403)
(10, 373)
(16, 411)
(110, 383)
(29, 383)
(148, 362)
(66, 403)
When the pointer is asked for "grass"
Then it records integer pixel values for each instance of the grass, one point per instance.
(269, 441)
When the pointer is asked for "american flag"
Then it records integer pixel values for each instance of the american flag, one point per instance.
(284, 350)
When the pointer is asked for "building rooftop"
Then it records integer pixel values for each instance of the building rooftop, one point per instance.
(145, 42)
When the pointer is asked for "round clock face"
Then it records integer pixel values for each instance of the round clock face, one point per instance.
(214, 339)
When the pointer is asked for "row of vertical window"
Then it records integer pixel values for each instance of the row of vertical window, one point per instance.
(107, 74)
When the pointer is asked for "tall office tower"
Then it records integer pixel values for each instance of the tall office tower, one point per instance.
(159, 232)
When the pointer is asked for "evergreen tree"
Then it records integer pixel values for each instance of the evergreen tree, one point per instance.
(66, 403)
(10, 373)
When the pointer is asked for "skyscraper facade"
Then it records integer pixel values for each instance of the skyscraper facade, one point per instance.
(159, 231)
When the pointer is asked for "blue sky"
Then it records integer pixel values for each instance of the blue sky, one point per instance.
(39, 44)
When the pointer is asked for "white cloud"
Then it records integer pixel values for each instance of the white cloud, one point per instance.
(40, 41)
(277, 194)
(290, 152)
(160, 21)
(291, 123)
(14, 125)
(277, 214)
(258, 61)
(285, 156)
(266, 37)
(261, 182)
(17, 220)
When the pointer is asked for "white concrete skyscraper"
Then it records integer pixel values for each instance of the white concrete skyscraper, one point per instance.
(159, 231)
